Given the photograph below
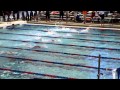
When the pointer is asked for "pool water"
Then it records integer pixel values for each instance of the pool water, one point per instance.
(52, 52)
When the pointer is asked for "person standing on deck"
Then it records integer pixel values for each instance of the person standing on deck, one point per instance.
(84, 16)
(40, 15)
(36, 16)
(3, 12)
(47, 16)
(23, 15)
(8, 15)
(92, 16)
(14, 15)
(31, 15)
(101, 14)
(18, 15)
(27, 16)
(1, 16)
(75, 15)
(67, 16)
(61, 15)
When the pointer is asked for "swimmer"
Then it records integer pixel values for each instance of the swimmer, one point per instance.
(36, 47)
(60, 26)
(68, 35)
(53, 40)
(51, 32)
(13, 26)
(41, 39)
(87, 28)
(10, 52)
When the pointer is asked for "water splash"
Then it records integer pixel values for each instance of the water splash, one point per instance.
(8, 52)
(59, 23)
(4, 27)
(59, 40)
(38, 34)
(11, 53)
(38, 38)
(52, 33)
(44, 46)
(85, 30)
(65, 29)
(20, 24)
(55, 41)
(2, 52)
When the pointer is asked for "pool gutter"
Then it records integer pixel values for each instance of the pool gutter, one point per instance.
(20, 22)
(77, 26)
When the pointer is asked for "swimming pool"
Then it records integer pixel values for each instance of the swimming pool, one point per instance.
(41, 51)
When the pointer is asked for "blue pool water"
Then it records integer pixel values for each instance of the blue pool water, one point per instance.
(61, 52)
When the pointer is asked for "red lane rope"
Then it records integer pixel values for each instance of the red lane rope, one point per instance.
(59, 63)
(33, 73)
(64, 53)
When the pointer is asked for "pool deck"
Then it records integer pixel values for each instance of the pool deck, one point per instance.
(68, 24)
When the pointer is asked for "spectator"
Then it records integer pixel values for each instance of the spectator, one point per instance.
(84, 16)
(78, 19)
(61, 15)
(40, 14)
(27, 16)
(47, 16)
(18, 15)
(75, 15)
(67, 16)
(14, 15)
(101, 14)
(23, 15)
(92, 16)
(31, 15)
(1, 15)
(8, 15)
(36, 16)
